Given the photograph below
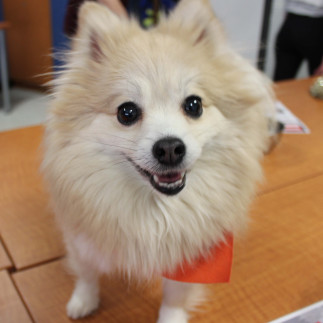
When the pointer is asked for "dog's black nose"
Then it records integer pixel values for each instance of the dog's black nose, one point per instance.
(169, 151)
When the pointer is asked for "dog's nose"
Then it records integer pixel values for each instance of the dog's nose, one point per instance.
(169, 151)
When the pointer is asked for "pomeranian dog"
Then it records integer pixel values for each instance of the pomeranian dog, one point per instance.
(152, 149)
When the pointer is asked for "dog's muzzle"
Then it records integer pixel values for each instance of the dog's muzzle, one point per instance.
(169, 152)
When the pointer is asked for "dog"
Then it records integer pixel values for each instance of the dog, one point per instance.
(153, 149)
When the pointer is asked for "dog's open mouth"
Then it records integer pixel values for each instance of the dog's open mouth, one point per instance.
(169, 183)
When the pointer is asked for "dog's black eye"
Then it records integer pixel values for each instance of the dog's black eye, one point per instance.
(128, 113)
(193, 106)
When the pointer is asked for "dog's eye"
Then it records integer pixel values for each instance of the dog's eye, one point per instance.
(193, 106)
(128, 113)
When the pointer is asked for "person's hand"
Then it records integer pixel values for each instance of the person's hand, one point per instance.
(115, 6)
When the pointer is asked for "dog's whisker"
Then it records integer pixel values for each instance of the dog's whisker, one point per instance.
(111, 135)
(106, 144)
(123, 162)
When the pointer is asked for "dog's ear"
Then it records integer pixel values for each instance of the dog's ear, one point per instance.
(195, 19)
(96, 26)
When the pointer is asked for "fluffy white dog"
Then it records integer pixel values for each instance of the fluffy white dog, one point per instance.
(152, 148)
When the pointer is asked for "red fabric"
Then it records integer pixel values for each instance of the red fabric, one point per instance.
(214, 269)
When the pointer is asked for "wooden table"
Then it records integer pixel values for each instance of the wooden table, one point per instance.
(278, 264)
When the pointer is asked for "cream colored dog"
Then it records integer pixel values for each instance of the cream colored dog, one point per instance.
(152, 148)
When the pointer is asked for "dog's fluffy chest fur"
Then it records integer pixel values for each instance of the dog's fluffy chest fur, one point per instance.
(118, 218)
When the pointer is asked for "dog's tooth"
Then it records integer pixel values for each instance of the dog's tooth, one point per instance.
(168, 185)
(156, 179)
(171, 185)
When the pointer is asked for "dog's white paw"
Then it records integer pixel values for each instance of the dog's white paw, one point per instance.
(169, 314)
(81, 305)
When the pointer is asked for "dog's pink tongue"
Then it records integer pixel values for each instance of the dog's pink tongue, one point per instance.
(169, 178)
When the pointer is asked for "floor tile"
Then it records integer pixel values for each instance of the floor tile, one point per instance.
(12, 309)
(47, 288)
(5, 262)
(26, 222)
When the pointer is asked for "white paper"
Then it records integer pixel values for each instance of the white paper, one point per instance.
(310, 314)
(292, 124)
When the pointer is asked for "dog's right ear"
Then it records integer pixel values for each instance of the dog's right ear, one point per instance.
(194, 20)
(96, 25)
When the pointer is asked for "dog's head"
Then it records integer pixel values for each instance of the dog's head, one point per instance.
(157, 100)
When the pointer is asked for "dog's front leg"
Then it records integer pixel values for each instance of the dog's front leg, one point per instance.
(85, 297)
(178, 299)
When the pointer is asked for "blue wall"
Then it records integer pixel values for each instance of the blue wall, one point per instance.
(60, 41)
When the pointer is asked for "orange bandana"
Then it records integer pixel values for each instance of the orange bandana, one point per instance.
(214, 269)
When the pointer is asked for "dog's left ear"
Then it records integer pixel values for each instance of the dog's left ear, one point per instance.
(195, 20)
(97, 26)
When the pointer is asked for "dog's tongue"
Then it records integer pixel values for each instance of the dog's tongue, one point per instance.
(169, 178)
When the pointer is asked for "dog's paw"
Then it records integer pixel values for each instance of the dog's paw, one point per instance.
(169, 314)
(81, 305)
